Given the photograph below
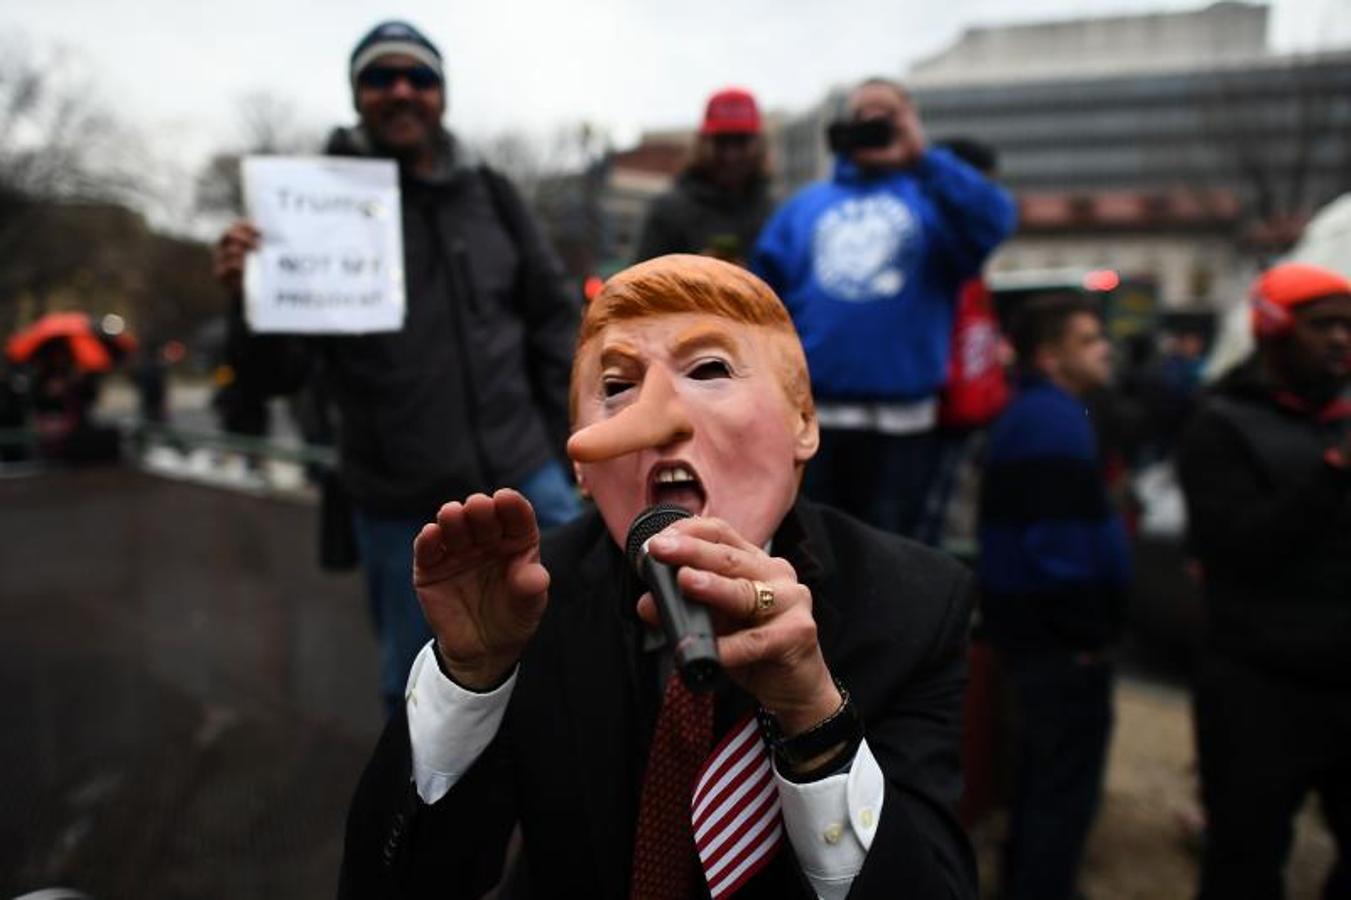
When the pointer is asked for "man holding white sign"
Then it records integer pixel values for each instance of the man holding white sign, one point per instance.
(469, 393)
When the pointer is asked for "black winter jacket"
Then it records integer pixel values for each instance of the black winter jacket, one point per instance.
(1270, 521)
(696, 216)
(568, 760)
(472, 393)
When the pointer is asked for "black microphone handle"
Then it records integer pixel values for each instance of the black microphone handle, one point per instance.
(687, 626)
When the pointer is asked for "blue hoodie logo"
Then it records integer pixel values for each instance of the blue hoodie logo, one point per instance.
(861, 247)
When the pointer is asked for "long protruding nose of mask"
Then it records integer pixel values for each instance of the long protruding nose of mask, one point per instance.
(656, 419)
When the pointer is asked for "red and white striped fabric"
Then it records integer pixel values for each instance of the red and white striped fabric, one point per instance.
(735, 811)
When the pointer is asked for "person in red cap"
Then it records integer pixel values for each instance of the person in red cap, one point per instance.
(719, 203)
(1266, 469)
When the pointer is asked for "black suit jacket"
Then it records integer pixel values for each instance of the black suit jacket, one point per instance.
(892, 619)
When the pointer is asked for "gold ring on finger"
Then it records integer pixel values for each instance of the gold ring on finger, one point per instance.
(764, 597)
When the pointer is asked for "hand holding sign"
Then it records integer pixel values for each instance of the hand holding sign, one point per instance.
(329, 249)
(227, 259)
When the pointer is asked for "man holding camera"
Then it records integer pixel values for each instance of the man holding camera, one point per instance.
(869, 264)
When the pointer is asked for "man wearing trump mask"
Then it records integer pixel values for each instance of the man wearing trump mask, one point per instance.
(824, 764)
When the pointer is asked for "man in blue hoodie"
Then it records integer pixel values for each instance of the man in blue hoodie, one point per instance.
(869, 264)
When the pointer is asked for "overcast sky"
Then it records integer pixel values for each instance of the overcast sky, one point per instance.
(175, 69)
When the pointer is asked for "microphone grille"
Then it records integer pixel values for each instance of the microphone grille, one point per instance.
(648, 524)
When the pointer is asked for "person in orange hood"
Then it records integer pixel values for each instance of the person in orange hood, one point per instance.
(1266, 469)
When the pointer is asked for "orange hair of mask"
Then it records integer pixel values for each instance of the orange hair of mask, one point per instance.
(683, 283)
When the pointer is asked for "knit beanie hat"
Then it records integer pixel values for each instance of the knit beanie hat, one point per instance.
(393, 37)
(1281, 288)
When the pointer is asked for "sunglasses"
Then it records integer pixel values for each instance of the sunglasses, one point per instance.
(382, 78)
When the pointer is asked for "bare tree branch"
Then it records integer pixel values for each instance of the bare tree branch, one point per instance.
(61, 154)
(1282, 137)
(267, 124)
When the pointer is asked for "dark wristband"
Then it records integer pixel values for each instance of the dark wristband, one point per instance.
(839, 763)
(843, 729)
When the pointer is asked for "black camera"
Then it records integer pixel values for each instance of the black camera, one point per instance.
(847, 135)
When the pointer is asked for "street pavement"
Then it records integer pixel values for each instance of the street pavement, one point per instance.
(188, 699)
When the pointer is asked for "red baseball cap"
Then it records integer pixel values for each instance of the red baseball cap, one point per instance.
(731, 111)
(1281, 288)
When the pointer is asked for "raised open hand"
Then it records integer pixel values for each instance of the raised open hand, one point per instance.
(482, 588)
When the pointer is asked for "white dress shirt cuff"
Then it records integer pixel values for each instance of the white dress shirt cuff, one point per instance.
(448, 726)
(831, 822)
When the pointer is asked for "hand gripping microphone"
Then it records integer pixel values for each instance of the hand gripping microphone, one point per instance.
(688, 629)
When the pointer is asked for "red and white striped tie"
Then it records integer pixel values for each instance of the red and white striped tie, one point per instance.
(735, 811)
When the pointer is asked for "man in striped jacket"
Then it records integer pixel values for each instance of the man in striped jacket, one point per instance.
(1054, 568)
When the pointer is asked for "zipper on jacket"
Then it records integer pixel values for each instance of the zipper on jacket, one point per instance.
(463, 273)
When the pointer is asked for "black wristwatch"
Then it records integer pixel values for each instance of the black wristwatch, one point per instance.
(842, 727)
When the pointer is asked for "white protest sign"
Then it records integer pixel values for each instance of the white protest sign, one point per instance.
(330, 259)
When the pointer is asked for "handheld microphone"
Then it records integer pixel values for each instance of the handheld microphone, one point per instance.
(687, 626)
